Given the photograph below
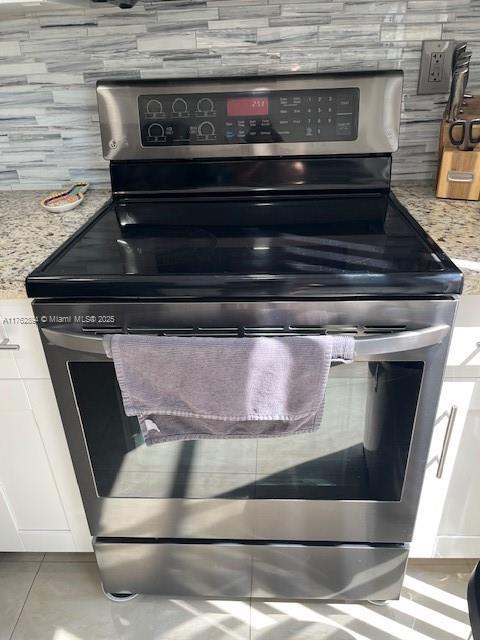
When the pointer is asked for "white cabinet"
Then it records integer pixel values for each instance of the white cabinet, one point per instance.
(28, 361)
(24, 467)
(9, 536)
(459, 529)
(45, 410)
(448, 521)
(40, 505)
(464, 354)
(452, 415)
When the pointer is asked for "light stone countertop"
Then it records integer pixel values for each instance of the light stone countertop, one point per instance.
(453, 224)
(28, 234)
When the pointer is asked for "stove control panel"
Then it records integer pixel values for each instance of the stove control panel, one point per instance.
(290, 116)
(258, 116)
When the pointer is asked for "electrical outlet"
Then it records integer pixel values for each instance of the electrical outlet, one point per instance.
(437, 60)
(435, 66)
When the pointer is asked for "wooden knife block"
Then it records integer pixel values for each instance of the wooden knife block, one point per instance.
(458, 174)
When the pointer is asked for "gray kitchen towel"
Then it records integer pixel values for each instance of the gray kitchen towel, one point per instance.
(193, 388)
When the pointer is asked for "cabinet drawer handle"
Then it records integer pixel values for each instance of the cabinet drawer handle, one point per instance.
(5, 343)
(446, 440)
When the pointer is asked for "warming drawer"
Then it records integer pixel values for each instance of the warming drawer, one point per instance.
(338, 572)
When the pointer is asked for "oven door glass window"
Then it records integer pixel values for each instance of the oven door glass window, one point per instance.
(359, 451)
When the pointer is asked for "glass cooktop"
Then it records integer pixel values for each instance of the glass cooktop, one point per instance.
(353, 257)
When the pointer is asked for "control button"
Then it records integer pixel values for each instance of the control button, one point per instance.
(154, 109)
(156, 131)
(345, 102)
(230, 134)
(344, 126)
(180, 107)
(290, 101)
(205, 106)
(206, 130)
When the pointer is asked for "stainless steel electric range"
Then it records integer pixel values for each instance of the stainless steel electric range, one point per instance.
(249, 207)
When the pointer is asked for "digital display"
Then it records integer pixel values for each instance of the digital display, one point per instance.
(251, 106)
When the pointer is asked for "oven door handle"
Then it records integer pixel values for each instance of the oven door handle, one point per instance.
(366, 347)
(74, 341)
(376, 345)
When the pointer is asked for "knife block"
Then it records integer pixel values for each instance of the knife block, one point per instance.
(458, 174)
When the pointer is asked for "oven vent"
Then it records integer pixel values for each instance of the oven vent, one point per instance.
(101, 331)
(367, 329)
(235, 332)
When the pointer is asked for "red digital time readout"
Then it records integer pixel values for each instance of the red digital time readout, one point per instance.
(237, 107)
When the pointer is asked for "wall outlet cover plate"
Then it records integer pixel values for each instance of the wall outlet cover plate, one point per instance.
(435, 66)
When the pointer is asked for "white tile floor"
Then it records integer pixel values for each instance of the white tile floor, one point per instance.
(58, 597)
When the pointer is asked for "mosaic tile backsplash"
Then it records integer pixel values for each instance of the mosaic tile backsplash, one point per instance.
(49, 63)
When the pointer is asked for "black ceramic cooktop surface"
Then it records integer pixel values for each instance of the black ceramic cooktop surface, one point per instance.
(356, 257)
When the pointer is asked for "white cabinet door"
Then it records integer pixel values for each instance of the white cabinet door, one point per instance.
(24, 468)
(40, 504)
(448, 521)
(453, 409)
(9, 538)
(20, 329)
(8, 364)
(459, 529)
(44, 405)
(464, 354)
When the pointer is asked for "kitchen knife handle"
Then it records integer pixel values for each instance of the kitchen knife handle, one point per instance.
(474, 139)
(458, 140)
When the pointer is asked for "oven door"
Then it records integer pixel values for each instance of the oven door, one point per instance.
(356, 479)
